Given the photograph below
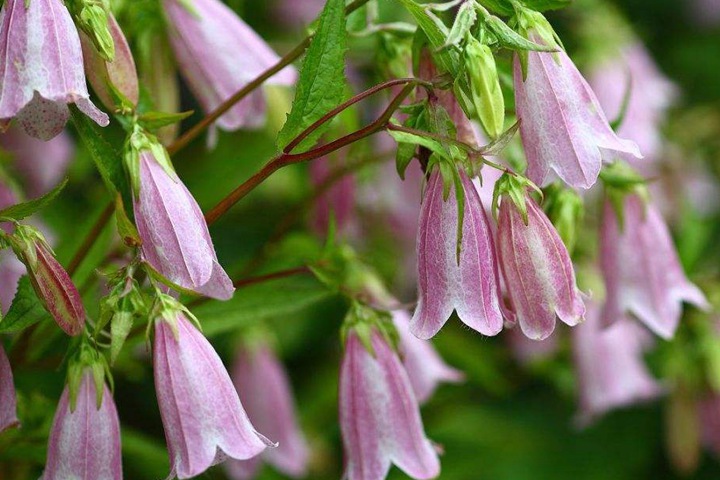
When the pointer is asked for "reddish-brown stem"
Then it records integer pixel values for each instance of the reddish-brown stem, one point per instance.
(347, 104)
(285, 159)
(290, 57)
(91, 237)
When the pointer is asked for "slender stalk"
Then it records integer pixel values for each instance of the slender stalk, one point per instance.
(285, 159)
(286, 60)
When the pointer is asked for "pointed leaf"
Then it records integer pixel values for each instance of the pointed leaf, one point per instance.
(25, 209)
(26, 309)
(322, 78)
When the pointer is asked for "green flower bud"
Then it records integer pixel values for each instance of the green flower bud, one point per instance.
(91, 16)
(485, 88)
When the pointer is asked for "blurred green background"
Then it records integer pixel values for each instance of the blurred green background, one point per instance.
(506, 422)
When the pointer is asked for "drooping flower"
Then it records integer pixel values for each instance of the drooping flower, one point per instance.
(471, 288)
(643, 275)
(42, 68)
(295, 13)
(651, 94)
(85, 441)
(51, 282)
(539, 276)
(204, 421)
(563, 128)
(336, 200)
(176, 240)
(218, 54)
(265, 391)
(379, 415)
(425, 368)
(111, 78)
(8, 413)
(41, 164)
(709, 421)
(527, 351)
(609, 365)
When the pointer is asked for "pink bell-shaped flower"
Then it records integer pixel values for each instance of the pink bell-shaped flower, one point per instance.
(8, 404)
(424, 366)
(643, 275)
(218, 54)
(265, 391)
(471, 288)
(204, 421)
(539, 276)
(563, 128)
(609, 364)
(651, 94)
(176, 240)
(379, 415)
(85, 440)
(42, 68)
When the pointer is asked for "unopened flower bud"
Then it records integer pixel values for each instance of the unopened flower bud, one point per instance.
(115, 81)
(92, 18)
(485, 87)
(51, 282)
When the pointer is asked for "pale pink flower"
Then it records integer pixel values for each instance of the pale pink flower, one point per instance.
(471, 288)
(204, 421)
(609, 363)
(42, 68)
(176, 240)
(379, 415)
(643, 275)
(218, 54)
(265, 391)
(85, 441)
(539, 276)
(563, 128)
(8, 412)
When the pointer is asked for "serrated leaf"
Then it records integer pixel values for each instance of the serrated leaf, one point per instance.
(321, 86)
(25, 209)
(107, 157)
(437, 34)
(509, 38)
(155, 120)
(282, 298)
(26, 309)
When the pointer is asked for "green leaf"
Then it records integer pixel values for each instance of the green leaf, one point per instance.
(107, 157)
(25, 209)
(509, 38)
(503, 7)
(464, 21)
(155, 120)
(281, 298)
(26, 309)
(543, 5)
(429, 143)
(437, 34)
(322, 78)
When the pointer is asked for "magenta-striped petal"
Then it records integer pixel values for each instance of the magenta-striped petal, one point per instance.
(563, 128)
(539, 276)
(643, 275)
(379, 415)
(204, 421)
(85, 443)
(472, 287)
